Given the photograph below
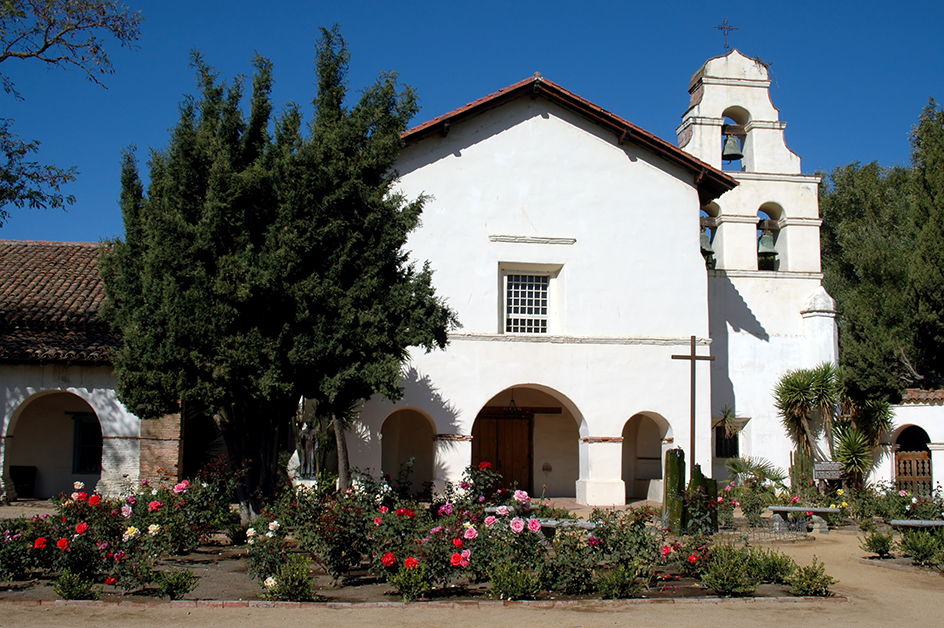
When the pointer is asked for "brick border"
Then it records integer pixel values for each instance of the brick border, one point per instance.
(562, 604)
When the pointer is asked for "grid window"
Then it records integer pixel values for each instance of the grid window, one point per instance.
(526, 304)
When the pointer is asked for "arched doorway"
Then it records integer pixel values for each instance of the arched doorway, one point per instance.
(57, 441)
(408, 434)
(532, 439)
(643, 435)
(913, 461)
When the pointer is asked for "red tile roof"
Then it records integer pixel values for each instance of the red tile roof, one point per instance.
(917, 396)
(711, 182)
(50, 296)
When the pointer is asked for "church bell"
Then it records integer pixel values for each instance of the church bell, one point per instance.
(732, 149)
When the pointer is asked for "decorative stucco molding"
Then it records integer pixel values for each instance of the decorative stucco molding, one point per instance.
(601, 439)
(530, 239)
(581, 340)
(460, 438)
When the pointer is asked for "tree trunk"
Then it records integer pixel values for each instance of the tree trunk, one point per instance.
(344, 475)
(811, 440)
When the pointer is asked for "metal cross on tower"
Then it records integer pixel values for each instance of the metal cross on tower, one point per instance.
(694, 360)
(725, 28)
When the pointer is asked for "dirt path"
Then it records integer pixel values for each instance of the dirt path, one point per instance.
(878, 595)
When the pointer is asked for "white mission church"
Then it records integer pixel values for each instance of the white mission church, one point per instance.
(581, 254)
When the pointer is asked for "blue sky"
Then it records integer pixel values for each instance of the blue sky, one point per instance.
(850, 78)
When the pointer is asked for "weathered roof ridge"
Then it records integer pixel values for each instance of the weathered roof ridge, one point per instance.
(918, 396)
(711, 182)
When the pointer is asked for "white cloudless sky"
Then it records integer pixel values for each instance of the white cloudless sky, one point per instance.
(849, 78)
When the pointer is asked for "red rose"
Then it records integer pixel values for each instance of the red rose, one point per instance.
(81, 528)
(485, 465)
(693, 558)
(111, 581)
(81, 497)
(62, 544)
(388, 559)
(457, 542)
(155, 506)
(456, 559)
(39, 543)
(95, 500)
(411, 563)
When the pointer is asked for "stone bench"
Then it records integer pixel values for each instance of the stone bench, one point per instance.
(780, 516)
(917, 523)
(549, 526)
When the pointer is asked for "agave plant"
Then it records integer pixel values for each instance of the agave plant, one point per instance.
(854, 452)
(795, 400)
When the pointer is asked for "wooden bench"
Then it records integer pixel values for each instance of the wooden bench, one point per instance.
(780, 516)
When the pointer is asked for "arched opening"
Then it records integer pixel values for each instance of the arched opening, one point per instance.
(406, 439)
(532, 439)
(768, 231)
(643, 435)
(57, 441)
(913, 461)
(734, 138)
(708, 222)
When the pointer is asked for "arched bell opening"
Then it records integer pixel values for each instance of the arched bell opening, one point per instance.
(708, 223)
(734, 138)
(643, 439)
(531, 437)
(768, 232)
(57, 441)
(406, 439)
(913, 472)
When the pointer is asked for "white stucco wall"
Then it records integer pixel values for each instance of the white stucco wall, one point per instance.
(20, 385)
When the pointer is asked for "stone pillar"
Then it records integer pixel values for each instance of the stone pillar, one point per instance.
(161, 451)
(819, 328)
(452, 453)
(601, 471)
(937, 463)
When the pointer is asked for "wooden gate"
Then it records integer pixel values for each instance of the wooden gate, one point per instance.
(506, 442)
(913, 472)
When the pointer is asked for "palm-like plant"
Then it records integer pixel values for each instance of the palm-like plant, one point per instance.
(795, 400)
(854, 452)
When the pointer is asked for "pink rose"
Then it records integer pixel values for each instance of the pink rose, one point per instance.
(522, 497)
(378, 521)
(534, 525)
(384, 510)
(517, 524)
(489, 520)
(503, 510)
(470, 533)
(126, 511)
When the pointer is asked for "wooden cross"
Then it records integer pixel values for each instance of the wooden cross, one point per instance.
(694, 359)
(724, 28)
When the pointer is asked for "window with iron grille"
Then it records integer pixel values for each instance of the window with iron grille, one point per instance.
(526, 304)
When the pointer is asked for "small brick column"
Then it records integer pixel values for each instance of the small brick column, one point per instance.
(161, 448)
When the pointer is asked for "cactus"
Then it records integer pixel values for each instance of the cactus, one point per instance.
(801, 470)
(673, 499)
(711, 493)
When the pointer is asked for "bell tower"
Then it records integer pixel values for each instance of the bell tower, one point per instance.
(770, 222)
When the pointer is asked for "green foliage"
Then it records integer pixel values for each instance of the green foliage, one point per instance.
(175, 583)
(511, 582)
(411, 584)
(769, 565)
(879, 544)
(74, 586)
(266, 551)
(925, 547)
(625, 536)
(854, 452)
(568, 566)
(729, 571)
(262, 268)
(291, 582)
(811, 580)
(621, 582)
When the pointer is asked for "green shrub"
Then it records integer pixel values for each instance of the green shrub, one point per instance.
(925, 547)
(411, 584)
(878, 544)
(73, 586)
(620, 582)
(568, 567)
(175, 583)
(509, 582)
(770, 565)
(728, 572)
(292, 582)
(266, 552)
(811, 581)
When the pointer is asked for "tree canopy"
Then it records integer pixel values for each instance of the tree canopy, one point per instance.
(883, 262)
(267, 263)
(58, 33)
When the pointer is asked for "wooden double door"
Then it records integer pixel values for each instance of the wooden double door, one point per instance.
(506, 441)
